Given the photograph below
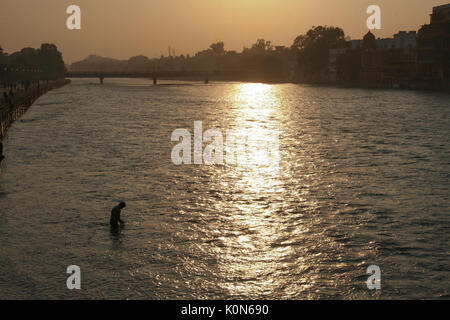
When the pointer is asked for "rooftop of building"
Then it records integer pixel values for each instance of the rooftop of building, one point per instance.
(406, 33)
(438, 8)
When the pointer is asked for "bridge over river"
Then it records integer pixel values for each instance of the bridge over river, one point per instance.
(166, 75)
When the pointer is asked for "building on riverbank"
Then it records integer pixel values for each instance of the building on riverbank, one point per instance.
(390, 62)
(372, 62)
(409, 59)
(433, 50)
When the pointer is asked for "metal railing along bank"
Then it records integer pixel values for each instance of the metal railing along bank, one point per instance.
(21, 100)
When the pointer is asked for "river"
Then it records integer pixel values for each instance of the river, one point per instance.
(362, 179)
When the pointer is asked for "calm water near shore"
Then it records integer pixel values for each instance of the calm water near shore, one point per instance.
(363, 179)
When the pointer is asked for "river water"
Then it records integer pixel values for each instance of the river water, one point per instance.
(362, 179)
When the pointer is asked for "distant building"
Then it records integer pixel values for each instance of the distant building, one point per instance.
(371, 71)
(409, 59)
(433, 49)
(356, 44)
(373, 62)
(440, 14)
(385, 44)
(332, 63)
(401, 40)
(405, 40)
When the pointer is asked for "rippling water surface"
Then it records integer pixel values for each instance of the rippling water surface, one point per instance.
(363, 179)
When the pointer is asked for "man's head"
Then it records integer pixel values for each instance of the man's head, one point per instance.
(122, 205)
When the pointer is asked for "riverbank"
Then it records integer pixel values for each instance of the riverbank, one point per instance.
(22, 100)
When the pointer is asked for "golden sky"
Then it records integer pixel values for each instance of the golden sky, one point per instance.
(125, 28)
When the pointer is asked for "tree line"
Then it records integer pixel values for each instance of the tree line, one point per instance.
(306, 60)
(29, 64)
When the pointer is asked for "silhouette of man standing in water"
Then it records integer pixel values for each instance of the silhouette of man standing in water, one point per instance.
(115, 215)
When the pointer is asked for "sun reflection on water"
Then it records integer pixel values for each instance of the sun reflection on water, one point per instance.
(252, 252)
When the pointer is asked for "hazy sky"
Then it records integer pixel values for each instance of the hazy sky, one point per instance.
(125, 28)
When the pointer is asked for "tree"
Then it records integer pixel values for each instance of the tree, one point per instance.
(349, 67)
(25, 58)
(138, 63)
(319, 35)
(312, 50)
(218, 48)
(260, 47)
(51, 61)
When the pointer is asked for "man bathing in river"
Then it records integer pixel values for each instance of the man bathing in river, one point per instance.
(115, 215)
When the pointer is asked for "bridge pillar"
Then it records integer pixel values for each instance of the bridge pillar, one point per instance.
(101, 80)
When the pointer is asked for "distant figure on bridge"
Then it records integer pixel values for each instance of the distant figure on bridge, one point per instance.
(115, 215)
(1, 152)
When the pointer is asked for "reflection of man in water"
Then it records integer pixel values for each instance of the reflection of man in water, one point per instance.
(115, 215)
